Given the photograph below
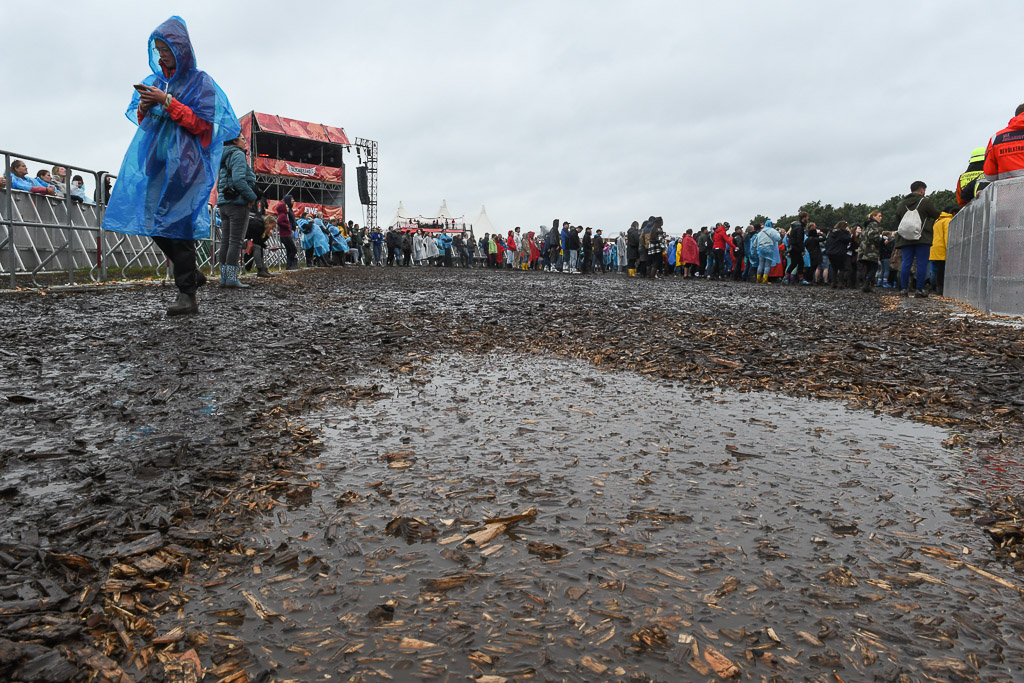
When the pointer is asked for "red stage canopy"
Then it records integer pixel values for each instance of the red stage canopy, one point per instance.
(271, 123)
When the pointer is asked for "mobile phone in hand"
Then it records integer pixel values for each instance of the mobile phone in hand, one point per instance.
(141, 88)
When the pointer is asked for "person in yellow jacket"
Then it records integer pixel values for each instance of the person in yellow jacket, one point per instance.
(937, 254)
(971, 181)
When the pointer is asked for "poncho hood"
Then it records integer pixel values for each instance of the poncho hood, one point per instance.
(175, 34)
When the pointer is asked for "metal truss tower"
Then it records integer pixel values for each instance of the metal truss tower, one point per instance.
(369, 147)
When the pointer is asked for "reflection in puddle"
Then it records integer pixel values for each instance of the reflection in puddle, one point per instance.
(650, 527)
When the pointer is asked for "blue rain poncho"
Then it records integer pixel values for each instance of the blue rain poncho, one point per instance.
(338, 241)
(305, 227)
(163, 187)
(314, 236)
(766, 243)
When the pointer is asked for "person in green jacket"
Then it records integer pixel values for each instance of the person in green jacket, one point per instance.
(492, 251)
(916, 250)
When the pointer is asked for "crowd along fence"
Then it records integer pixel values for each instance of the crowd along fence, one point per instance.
(44, 237)
(985, 251)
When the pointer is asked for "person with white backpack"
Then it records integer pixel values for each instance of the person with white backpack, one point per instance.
(916, 214)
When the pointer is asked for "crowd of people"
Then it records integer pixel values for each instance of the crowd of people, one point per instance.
(862, 256)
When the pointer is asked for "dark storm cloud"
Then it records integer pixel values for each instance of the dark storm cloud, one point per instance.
(597, 112)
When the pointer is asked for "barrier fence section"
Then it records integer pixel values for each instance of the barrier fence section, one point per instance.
(985, 251)
(49, 235)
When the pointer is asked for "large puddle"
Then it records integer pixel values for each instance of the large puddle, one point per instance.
(637, 527)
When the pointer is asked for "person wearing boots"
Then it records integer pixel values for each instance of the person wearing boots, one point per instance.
(236, 192)
(868, 251)
(287, 231)
(168, 172)
(836, 245)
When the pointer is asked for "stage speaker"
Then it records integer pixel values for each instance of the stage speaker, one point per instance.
(364, 192)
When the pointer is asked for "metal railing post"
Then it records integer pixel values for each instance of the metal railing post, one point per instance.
(71, 230)
(101, 210)
(12, 256)
(990, 246)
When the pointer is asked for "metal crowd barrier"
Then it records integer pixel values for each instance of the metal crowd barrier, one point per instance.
(985, 251)
(49, 235)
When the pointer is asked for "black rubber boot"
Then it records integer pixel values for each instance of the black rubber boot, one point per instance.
(185, 305)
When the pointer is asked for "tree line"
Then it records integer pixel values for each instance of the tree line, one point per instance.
(826, 215)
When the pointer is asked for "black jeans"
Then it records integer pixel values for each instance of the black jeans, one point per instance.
(289, 249)
(940, 276)
(869, 270)
(796, 263)
(182, 255)
(815, 264)
(839, 266)
(718, 270)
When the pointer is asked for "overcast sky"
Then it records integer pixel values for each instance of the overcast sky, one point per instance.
(595, 112)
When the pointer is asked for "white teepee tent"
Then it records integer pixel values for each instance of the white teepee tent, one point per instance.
(399, 214)
(443, 211)
(482, 224)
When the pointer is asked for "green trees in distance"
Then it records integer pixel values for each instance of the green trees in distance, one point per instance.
(826, 216)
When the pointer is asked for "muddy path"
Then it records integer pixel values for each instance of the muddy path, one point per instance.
(140, 455)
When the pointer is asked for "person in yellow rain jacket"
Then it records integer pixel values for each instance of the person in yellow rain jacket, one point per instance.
(937, 254)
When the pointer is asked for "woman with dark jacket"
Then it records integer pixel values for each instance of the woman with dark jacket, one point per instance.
(572, 246)
(812, 246)
(655, 247)
(287, 226)
(236, 190)
(836, 246)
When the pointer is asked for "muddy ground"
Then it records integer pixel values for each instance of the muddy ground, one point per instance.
(158, 477)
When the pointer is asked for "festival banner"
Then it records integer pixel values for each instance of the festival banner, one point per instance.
(309, 210)
(297, 170)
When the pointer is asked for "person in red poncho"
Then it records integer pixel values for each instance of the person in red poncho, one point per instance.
(531, 241)
(779, 269)
(690, 254)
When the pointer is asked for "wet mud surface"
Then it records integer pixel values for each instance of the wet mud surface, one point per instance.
(421, 474)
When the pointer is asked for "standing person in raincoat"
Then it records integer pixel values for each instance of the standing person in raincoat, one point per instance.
(689, 254)
(766, 245)
(621, 253)
(165, 180)
(319, 242)
(339, 243)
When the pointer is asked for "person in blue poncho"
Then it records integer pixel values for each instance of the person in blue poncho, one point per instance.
(314, 241)
(339, 243)
(766, 244)
(165, 180)
(444, 245)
